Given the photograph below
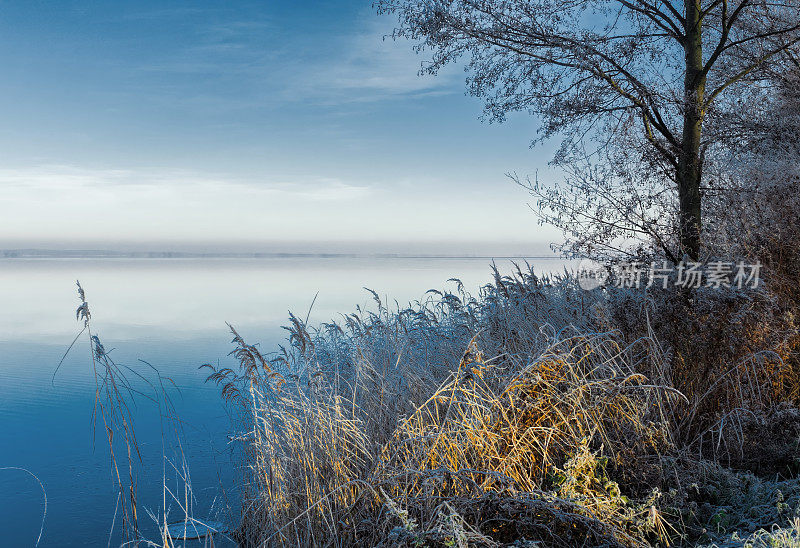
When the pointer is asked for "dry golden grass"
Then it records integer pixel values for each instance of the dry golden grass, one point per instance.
(511, 417)
(332, 462)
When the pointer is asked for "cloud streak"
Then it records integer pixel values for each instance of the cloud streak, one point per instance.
(76, 179)
(372, 67)
(73, 201)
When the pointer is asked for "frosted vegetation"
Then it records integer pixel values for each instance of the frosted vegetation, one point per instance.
(535, 411)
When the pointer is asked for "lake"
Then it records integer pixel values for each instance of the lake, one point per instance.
(170, 313)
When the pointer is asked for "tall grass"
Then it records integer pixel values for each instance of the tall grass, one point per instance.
(528, 412)
(118, 390)
(397, 425)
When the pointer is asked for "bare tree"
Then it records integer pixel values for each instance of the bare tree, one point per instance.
(596, 70)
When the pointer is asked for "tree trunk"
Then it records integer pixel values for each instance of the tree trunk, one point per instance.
(689, 162)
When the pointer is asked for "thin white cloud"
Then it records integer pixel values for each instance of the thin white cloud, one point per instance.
(372, 66)
(73, 203)
(75, 179)
(150, 204)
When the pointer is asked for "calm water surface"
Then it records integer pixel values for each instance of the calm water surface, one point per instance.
(171, 313)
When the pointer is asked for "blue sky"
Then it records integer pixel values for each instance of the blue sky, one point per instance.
(190, 123)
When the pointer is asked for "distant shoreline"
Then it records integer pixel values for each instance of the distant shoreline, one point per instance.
(108, 254)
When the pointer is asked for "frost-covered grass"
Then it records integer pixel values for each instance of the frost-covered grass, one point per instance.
(775, 537)
(532, 412)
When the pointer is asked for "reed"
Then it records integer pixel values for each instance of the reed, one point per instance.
(118, 390)
(526, 413)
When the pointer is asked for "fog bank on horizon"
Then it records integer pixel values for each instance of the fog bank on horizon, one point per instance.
(163, 249)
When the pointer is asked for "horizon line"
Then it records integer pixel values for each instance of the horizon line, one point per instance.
(40, 253)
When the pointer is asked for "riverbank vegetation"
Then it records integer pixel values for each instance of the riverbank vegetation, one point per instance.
(534, 413)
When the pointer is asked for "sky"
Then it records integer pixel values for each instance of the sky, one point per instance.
(163, 124)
